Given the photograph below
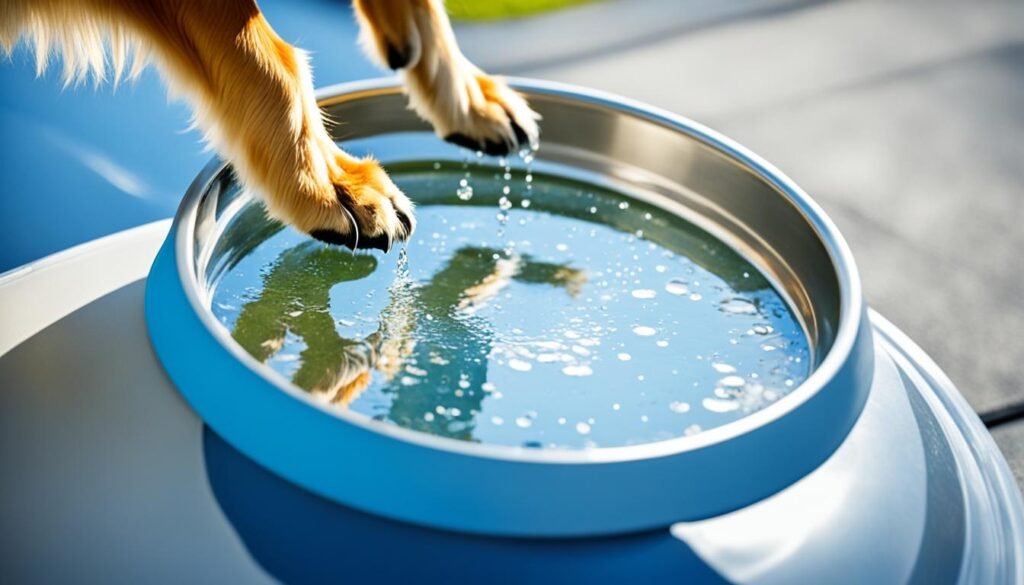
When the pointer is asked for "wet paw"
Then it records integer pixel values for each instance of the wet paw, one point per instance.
(370, 212)
(495, 120)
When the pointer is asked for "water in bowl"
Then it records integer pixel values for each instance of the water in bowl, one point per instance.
(547, 314)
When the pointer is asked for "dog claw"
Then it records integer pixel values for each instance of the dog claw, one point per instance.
(382, 242)
(397, 59)
(462, 140)
(349, 240)
(522, 138)
(406, 222)
(490, 147)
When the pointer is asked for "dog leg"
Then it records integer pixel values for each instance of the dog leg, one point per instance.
(466, 106)
(252, 94)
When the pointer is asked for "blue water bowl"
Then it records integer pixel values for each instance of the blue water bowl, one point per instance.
(640, 324)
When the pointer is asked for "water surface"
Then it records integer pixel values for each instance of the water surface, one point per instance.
(544, 314)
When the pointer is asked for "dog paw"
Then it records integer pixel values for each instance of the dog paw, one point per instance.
(363, 209)
(480, 113)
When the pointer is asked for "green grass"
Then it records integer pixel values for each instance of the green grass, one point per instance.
(498, 9)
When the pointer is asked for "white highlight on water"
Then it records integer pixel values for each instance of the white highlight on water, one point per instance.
(723, 368)
(577, 371)
(520, 365)
(732, 382)
(719, 405)
(679, 407)
(644, 331)
(676, 287)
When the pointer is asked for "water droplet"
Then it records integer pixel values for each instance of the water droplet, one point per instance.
(720, 405)
(453, 411)
(732, 382)
(525, 203)
(723, 368)
(464, 192)
(497, 421)
(520, 365)
(592, 210)
(577, 371)
(696, 296)
(428, 416)
(661, 343)
(624, 357)
(561, 420)
(676, 287)
(561, 247)
(643, 293)
(582, 428)
(524, 422)
(616, 406)
(488, 387)
(737, 306)
(692, 430)
(679, 407)
(644, 331)
(624, 205)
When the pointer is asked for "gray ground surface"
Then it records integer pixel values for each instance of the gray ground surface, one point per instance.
(905, 120)
(1010, 438)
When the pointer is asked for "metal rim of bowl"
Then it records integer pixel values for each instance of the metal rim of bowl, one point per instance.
(838, 385)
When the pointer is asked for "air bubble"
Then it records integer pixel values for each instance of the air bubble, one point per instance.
(676, 287)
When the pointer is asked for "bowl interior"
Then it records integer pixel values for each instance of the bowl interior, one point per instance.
(616, 150)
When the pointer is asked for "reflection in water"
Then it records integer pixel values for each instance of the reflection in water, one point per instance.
(295, 300)
(583, 320)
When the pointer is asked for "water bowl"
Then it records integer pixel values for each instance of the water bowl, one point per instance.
(640, 323)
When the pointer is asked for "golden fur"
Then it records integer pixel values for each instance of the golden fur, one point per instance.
(252, 95)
